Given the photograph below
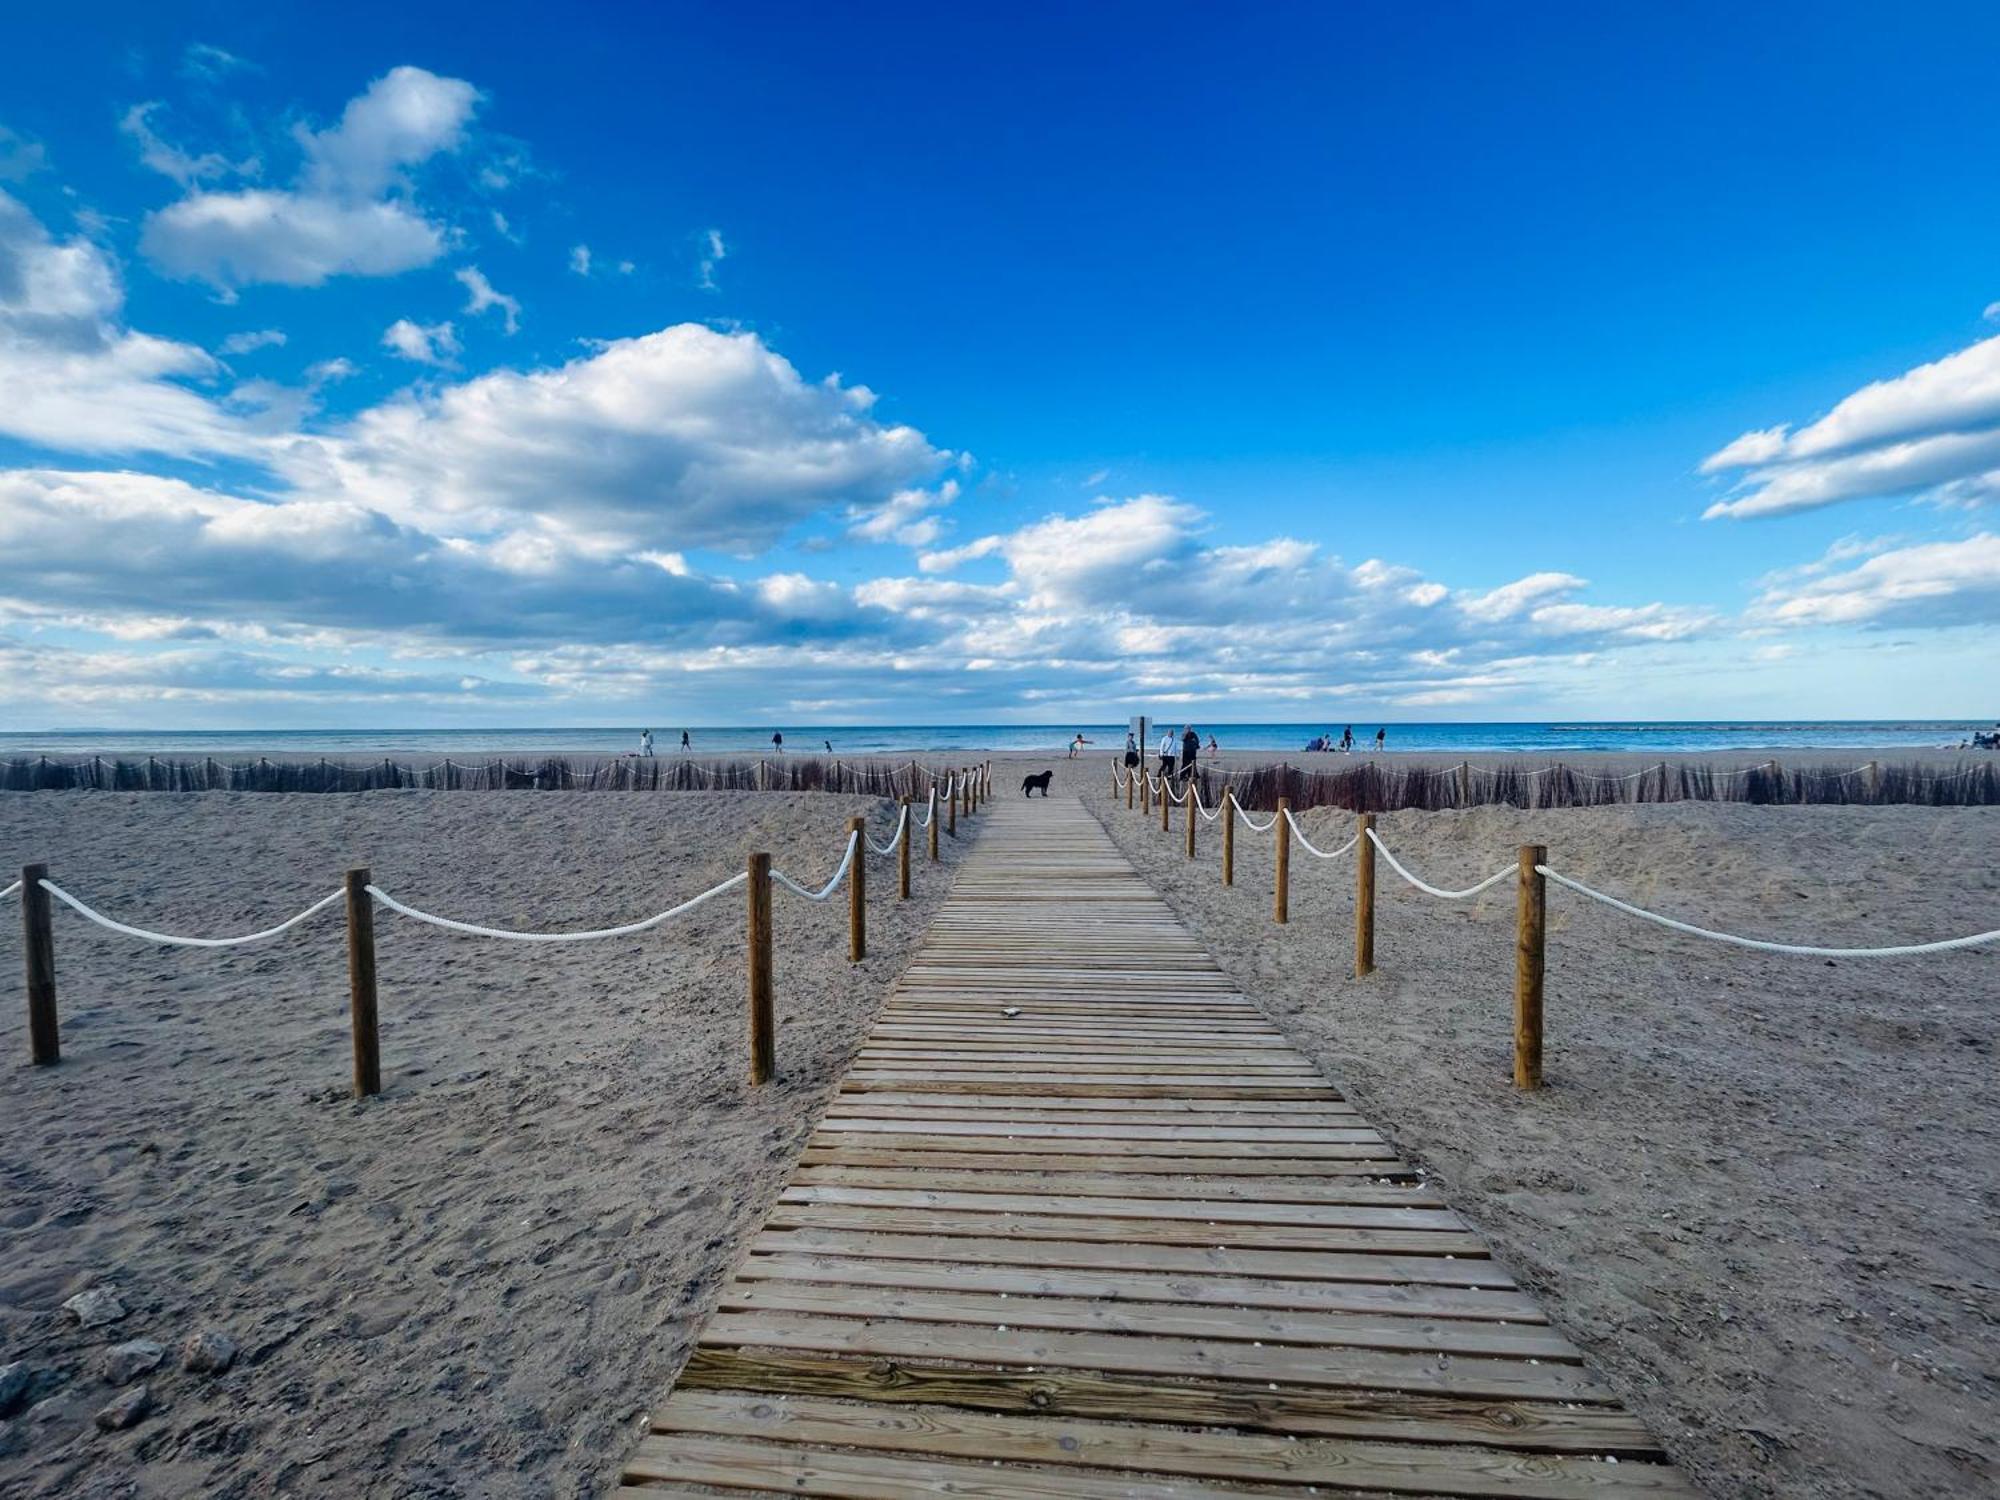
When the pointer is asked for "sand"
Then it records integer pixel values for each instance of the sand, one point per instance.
(1759, 1191)
(471, 1285)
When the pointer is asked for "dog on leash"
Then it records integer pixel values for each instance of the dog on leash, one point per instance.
(1029, 783)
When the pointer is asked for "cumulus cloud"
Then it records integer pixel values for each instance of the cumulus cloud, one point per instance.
(251, 340)
(20, 158)
(579, 259)
(1934, 584)
(352, 210)
(683, 438)
(425, 344)
(1932, 432)
(169, 160)
(480, 296)
(73, 377)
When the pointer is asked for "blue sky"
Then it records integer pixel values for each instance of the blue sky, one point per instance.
(496, 365)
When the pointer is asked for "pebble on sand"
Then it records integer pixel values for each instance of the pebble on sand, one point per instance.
(209, 1352)
(95, 1307)
(126, 1410)
(125, 1363)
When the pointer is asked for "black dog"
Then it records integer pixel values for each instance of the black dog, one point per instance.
(1029, 783)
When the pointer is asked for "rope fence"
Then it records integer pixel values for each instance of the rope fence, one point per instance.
(1531, 873)
(964, 791)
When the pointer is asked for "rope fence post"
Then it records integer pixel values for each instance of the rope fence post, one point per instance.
(931, 827)
(903, 854)
(1145, 794)
(763, 1025)
(1282, 829)
(951, 827)
(361, 985)
(1166, 804)
(1530, 938)
(1465, 783)
(857, 892)
(1190, 816)
(1364, 898)
(1131, 775)
(1229, 835)
(38, 938)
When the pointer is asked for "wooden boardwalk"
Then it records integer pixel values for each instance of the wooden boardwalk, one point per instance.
(1081, 1223)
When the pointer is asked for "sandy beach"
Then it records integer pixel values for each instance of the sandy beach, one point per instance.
(470, 1285)
(1758, 1190)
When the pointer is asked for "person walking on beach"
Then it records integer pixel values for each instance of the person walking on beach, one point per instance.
(1190, 747)
(646, 742)
(1167, 748)
(1131, 749)
(778, 742)
(686, 744)
(1381, 740)
(1347, 739)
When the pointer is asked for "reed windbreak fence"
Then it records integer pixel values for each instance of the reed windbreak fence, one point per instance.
(633, 773)
(1379, 787)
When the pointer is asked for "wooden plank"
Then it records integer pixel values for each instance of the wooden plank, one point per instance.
(1222, 1325)
(1396, 1468)
(1124, 1185)
(1099, 1146)
(1395, 1299)
(1206, 1211)
(1001, 1250)
(1364, 1369)
(1542, 1427)
(1379, 1169)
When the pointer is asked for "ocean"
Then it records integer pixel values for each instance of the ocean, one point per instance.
(852, 739)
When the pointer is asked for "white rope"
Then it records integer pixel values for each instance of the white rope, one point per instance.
(1808, 950)
(182, 942)
(930, 809)
(1252, 824)
(475, 930)
(826, 890)
(1194, 790)
(1431, 890)
(895, 834)
(10, 890)
(1313, 849)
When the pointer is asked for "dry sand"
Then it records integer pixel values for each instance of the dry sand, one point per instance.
(471, 1285)
(1760, 1191)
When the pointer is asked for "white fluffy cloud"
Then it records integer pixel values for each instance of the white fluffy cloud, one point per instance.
(683, 438)
(1933, 584)
(425, 344)
(352, 210)
(1933, 431)
(480, 296)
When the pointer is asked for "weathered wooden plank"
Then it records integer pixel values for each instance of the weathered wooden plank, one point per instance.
(1351, 1368)
(1328, 1330)
(1206, 1211)
(1400, 1299)
(1124, 1185)
(1397, 1468)
(1543, 1427)
(1380, 1169)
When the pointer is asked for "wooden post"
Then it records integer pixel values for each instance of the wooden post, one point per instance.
(1282, 830)
(931, 830)
(1530, 932)
(1364, 898)
(1166, 804)
(1131, 775)
(1874, 779)
(763, 1025)
(1190, 816)
(1229, 835)
(1145, 793)
(361, 985)
(1465, 783)
(952, 826)
(903, 855)
(38, 939)
(857, 892)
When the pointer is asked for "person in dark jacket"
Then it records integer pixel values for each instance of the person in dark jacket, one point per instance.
(1190, 747)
